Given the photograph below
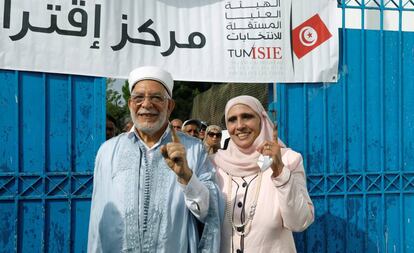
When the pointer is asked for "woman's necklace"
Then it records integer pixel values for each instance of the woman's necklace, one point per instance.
(243, 228)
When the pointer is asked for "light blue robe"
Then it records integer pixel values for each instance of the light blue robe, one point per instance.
(139, 206)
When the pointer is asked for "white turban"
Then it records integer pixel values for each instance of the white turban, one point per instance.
(151, 73)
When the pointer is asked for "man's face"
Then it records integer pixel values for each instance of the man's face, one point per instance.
(176, 124)
(150, 107)
(202, 133)
(191, 129)
(110, 129)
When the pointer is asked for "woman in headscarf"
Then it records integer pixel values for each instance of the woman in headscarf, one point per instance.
(263, 183)
(212, 139)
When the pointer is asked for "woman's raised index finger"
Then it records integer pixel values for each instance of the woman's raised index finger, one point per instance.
(275, 133)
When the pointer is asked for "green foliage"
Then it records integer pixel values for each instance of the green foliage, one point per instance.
(116, 104)
(183, 94)
(125, 92)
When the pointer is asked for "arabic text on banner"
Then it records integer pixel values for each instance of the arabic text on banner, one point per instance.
(209, 40)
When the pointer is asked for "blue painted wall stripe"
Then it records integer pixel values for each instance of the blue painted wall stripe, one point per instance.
(357, 139)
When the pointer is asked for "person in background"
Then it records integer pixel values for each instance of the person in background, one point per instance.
(177, 123)
(152, 184)
(203, 127)
(226, 138)
(110, 127)
(128, 124)
(263, 182)
(192, 127)
(212, 139)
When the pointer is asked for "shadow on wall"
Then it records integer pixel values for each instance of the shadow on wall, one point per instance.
(332, 234)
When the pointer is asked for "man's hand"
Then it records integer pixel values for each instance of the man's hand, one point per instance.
(272, 149)
(175, 157)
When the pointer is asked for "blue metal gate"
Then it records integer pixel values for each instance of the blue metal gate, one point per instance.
(357, 139)
(50, 129)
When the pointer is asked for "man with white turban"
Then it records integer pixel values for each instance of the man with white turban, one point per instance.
(152, 183)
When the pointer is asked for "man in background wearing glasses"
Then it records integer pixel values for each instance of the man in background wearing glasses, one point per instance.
(152, 183)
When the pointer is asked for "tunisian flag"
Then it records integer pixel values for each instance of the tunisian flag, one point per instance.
(309, 35)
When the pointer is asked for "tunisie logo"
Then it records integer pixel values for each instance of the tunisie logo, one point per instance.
(309, 35)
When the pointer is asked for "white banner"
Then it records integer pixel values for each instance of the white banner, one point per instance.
(196, 40)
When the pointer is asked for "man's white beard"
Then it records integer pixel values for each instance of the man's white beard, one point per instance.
(149, 128)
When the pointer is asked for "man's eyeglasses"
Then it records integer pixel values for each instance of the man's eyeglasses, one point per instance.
(156, 98)
(211, 134)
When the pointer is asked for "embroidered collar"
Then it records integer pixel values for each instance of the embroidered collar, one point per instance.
(133, 133)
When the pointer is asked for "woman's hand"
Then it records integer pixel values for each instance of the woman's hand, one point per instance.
(272, 149)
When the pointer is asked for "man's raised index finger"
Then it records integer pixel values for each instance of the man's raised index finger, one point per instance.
(174, 136)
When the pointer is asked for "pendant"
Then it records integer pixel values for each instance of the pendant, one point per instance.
(240, 229)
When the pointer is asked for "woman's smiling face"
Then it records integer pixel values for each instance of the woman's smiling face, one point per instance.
(243, 125)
